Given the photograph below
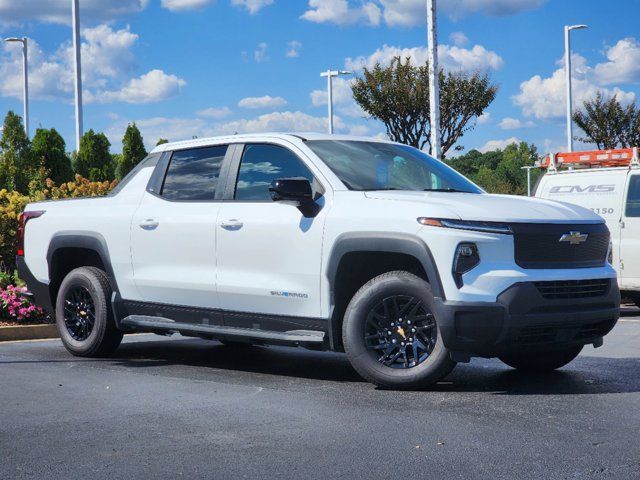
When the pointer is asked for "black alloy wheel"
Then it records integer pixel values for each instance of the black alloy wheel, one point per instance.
(400, 331)
(79, 313)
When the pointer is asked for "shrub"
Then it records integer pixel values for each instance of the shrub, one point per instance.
(15, 306)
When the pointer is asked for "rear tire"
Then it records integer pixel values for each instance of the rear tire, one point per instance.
(541, 360)
(391, 334)
(84, 316)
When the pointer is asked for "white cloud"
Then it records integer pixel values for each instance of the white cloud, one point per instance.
(152, 129)
(492, 145)
(459, 39)
(341, 12)
(175, 129)
(407, 12)
(623, 65)
(279, 122)
(150, 87)
(484, 118)
(253, 6)
(59, 11)
(260, 54)
(266, 101)
(546, 97)
(108, 66)
(449, 57)
(509, 123)
(293, 49)
(179, 5)
(214, 112)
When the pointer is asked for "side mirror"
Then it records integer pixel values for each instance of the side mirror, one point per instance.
(291, 189)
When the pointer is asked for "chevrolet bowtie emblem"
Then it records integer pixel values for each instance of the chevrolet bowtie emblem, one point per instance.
(574, 238)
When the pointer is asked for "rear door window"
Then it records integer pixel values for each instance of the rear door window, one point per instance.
(193, 174)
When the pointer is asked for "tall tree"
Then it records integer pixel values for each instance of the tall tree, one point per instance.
(93, 160)
(398, 96)
(499, 171)
(161, 141)
(132, 151)
(48, 149)
(608, 124)
(16, 168)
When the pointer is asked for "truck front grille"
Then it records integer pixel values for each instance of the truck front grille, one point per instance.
(540, 246)
(568, 289)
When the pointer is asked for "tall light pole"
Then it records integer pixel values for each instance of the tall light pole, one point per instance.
(434, 86)
(567, 72)
(75, 10)
(25, 75)
(330, 74)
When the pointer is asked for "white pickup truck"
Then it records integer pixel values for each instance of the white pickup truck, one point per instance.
(326, 242)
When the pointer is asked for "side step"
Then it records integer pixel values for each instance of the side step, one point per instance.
(303, 338)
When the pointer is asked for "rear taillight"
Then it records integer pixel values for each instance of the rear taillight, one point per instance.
(22, 223)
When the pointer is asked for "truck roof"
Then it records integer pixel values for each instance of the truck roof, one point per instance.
(199, 142)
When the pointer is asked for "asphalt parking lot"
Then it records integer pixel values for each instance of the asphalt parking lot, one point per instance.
(186, 408)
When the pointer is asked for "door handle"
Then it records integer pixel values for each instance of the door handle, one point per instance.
(232, 224)
(149, 224)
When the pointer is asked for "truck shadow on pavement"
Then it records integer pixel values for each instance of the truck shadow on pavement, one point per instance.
(586, 375)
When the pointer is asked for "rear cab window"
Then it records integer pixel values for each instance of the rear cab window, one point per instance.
(194, 174)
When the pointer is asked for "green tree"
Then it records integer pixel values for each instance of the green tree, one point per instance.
(499, 171)
(93, 160)
(398, 96)
(133, 151)
(161, 141)
(16, 168)
(608, 124)
(49, 150)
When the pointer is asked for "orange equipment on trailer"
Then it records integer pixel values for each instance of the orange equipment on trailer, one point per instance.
(622, 157)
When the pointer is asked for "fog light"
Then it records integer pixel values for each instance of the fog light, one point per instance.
(465, 259)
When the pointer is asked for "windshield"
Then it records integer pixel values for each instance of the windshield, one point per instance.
(387, 166)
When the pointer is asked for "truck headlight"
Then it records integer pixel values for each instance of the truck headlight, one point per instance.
(485, 227)
(465, 259)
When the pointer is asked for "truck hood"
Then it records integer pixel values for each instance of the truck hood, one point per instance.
(492, 208)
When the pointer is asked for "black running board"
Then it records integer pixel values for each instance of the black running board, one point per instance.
(303, 338)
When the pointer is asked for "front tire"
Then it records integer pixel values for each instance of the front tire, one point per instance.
(83, 314)
(541, 360)
(391, 334)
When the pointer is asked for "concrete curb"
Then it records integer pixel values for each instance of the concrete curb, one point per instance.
(28, 332)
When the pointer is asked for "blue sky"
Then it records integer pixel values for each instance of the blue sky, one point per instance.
(183, 68)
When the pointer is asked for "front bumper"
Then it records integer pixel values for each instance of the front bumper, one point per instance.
(522, 318)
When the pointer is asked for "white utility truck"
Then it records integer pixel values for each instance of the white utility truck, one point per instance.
(328, 242)
(608, 183)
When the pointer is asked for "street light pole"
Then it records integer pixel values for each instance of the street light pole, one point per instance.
(434, 86)
(567, 71)
(75, 10)
(330, 74)
(528, 168)
(25, 75)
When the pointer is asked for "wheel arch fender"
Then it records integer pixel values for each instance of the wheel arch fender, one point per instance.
(376, 242)
(85, 240)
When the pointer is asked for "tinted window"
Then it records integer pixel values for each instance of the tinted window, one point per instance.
(388, 166)
(193, 174)
(633, 197)
(261, 165)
